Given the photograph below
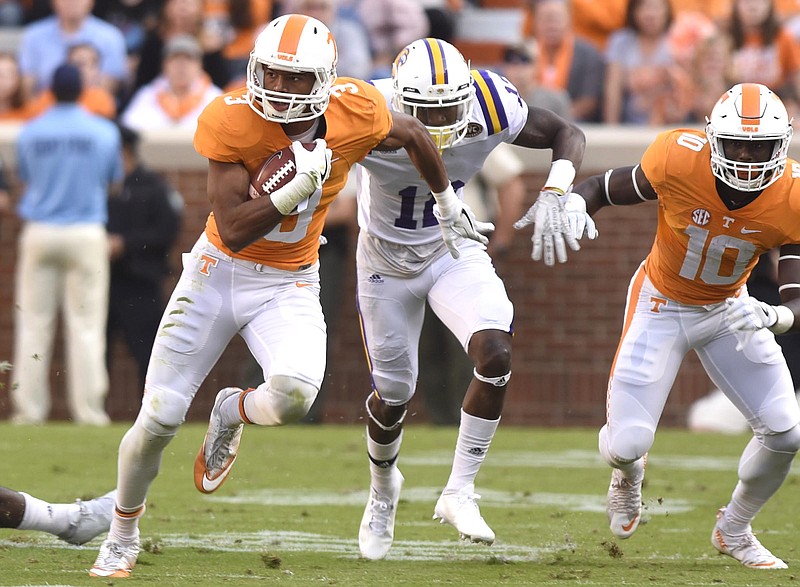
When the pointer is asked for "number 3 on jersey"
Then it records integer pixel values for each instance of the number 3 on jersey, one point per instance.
(408, 206)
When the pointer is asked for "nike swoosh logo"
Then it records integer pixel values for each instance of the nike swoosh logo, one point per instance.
(300, 284)
(627, 527)
(211, 485)
(749, 231)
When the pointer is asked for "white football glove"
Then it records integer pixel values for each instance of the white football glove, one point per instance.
(551, 228)
(313, 168)
(745, 315)
(461, 222)
(580, 222)
(316, 163)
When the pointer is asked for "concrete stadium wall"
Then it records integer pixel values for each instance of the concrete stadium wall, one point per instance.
(567, 319)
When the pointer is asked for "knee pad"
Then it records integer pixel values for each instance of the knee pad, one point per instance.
(626, 446)
(394, 388)
(155, 426)
(164, 409)
(281, 400)
(785, 442)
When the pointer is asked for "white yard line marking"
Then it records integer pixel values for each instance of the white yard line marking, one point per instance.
(572, 459)
(490, 498)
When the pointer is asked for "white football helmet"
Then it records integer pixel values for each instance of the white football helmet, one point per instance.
(749, 112)
(295, 43)
(431, 74)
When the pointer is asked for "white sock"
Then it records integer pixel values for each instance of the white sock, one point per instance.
(474, 437)
(46, 517)
(382, 460)
(741, 511)
(125, 525)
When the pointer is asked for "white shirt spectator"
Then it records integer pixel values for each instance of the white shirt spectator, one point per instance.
(177, 97)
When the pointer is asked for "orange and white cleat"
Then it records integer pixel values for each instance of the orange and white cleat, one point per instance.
(115, 559)
(220, 447)
(624, 501)
(745, 548)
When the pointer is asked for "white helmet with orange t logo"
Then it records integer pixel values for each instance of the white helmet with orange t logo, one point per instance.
(293, 43)
(432, 81)
(749, 112)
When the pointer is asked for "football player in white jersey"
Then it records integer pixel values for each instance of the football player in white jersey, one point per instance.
(402, 262)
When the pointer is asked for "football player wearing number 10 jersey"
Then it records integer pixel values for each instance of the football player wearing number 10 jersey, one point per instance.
(254, 272)
(724, 197)
(402, 262)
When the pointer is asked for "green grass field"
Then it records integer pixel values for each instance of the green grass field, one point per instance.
(290, 512)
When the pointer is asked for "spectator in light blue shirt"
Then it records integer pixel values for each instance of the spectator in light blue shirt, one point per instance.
(45, 44)
(68, 160)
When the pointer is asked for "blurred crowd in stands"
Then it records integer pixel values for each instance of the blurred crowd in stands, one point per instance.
(156, 63)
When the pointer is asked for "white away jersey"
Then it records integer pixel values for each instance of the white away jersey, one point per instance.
(395, 203)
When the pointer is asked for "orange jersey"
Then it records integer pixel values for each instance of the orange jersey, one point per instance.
(357, 119)
(704, 252)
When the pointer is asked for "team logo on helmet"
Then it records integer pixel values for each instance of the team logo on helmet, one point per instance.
(473, 130)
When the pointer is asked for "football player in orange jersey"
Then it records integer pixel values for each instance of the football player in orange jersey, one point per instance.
(725, 197)
(254, 271)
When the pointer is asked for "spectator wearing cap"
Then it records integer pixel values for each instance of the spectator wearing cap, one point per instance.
(176, 97)
(519, 66)
(68, 161)
(46, 42)
(143, 223)
(178, 18)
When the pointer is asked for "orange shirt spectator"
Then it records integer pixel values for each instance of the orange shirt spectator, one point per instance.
(95, 100)
(95, 97)
(567, 62)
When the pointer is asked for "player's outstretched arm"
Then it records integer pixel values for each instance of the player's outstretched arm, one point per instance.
(622, 186)
(554, 225)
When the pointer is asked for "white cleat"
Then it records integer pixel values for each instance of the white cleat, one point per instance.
(91, 519)
(460, 510)
(220, 447)
(624, 502)
(115, 559)
(376, 533)
(745, 548)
